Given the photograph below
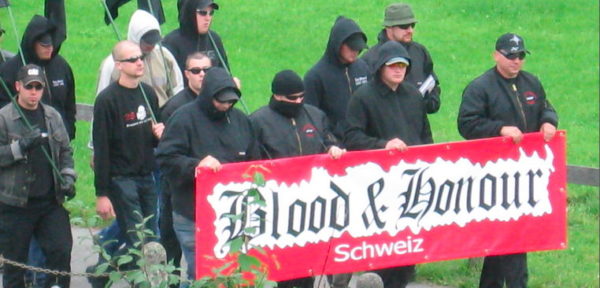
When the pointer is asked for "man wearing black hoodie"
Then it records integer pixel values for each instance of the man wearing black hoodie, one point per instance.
(388, 113)
(330, 83)
(194, 34)
(204, 133)
(40, 45)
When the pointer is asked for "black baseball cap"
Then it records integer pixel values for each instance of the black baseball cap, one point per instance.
(227, 95)
(45, 39)
(30, 73)
(510, 43)
(205, 3)
(356, 42)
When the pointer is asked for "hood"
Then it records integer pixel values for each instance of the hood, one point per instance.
(140, 23)
(187, 17)
(341, 30)
(217, 79)
(389, 50)
(38, 26)
(382, 37)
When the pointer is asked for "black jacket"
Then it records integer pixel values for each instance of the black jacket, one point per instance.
(330, 83)
(122, 134)
(421, 67)
(491, 101)
(281, 136)
(192, 134)
(183, 97)
(185, 40)
(377, 114)
(60, 80)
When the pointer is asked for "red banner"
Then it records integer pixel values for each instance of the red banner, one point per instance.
(381, 208)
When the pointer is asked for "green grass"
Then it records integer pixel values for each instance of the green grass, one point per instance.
(263, 37)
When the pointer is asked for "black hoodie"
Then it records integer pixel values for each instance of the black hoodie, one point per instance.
(377, 114)
(60, 80)
(192, 134)
(185, 40)
(330, 83)
(421, 67)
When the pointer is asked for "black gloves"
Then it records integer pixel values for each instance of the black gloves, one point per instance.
(68, 186)
(32, 140)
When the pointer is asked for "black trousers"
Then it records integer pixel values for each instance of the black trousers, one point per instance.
(49, 222)
(306, 282)
(396, 277)
(498, 270)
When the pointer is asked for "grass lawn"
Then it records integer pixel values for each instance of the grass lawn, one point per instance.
(263, 37)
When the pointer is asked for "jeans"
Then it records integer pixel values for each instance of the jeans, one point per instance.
(49, 223)
(158, 190)
(133, 199)
(167, 235)
(510, 269)
(36, 258)
(185, 229)
(111, 239)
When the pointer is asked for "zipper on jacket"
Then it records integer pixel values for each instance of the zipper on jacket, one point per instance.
(348, 78)
(297, 136)
(514, 87)
(48, 88)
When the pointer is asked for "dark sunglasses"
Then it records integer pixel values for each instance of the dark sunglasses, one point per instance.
(513, 56)
(197, 71)
(226, 102)
(204, 12)
(406, 26)
(133, 59)
(37, 87)
(293, 98)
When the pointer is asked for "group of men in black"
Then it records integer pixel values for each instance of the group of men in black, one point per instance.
(379, 101)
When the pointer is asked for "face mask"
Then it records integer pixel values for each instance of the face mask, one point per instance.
(287, 109)
(210, 110)
(215, 114)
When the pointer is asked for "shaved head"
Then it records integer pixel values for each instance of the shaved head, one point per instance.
(122, 47)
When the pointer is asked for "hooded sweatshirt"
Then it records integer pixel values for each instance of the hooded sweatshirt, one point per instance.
(192, 133)
(160, 67)
(185, 40)
(377, 114)
(60, 83)
(421, 68)
(330, 83)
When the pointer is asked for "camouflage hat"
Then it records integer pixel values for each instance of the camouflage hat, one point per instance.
(398, 14)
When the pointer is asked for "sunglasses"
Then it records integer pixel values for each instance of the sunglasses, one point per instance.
(133, 59)
(406, 26)
(293, 97)
(205, 12)
(37, 87)
(197, 70)
(513, 56)
(226, 102)
(397, 65)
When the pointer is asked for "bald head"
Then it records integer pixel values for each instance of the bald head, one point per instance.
(123, 48)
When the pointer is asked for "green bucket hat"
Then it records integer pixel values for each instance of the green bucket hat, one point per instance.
(398, 14)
